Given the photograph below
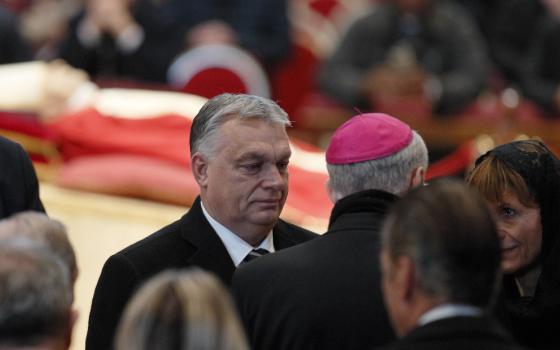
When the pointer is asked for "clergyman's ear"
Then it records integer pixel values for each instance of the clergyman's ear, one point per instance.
(199, 165)
(417, 177)
(330, 191)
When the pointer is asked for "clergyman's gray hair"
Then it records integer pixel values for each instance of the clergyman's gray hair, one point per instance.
(221, 108)
(447, 230)
(390, 174)
(35, 294)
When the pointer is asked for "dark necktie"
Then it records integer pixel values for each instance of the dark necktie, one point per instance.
(255, 253)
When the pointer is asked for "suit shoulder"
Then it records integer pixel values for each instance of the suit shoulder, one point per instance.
(10, 149)
(161, 248)
(165, 234)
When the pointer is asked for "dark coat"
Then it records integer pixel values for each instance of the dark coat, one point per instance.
(447, 45)
(104, 60)
(457, 333)
(190, 241)
(19, 189)
(324, 294)
(13, 47)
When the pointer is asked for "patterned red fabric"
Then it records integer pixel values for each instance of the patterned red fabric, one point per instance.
(89, 132)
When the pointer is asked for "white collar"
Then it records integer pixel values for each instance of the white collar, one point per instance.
(235, 246)
(448, 310)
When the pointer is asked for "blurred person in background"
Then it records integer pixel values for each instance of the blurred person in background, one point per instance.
(440, 258)
(19, 187)
(138, 39)
(510, 36)
(540, 72)
(44, 25)
(121, 39)
(259, 26)
(36, 308)
(181, 310)
(13, 47)
(521, 182)
(429, 53)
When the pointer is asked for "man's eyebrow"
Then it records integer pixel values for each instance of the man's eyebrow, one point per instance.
(285, 155)
(250, 156)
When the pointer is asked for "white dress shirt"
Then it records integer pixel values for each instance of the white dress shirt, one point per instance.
(236, 247)
(448, 310)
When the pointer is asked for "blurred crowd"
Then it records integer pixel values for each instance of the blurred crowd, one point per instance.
(439, 56)
(138, 38)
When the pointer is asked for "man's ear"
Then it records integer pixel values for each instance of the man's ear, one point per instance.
(417, 177)
(405, 275)
(199, 166)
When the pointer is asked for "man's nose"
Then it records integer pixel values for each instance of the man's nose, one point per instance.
(274, 177)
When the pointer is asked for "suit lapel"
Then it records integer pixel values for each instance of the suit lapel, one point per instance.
(211, 254)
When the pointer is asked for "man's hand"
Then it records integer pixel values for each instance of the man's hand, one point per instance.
(110, 16)
(387, 81)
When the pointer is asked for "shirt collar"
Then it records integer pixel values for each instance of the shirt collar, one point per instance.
(448, 310)
(235, 246)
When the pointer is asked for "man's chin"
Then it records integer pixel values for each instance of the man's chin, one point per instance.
(266, 217)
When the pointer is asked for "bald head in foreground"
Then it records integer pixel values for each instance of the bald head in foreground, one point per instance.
(325, 294)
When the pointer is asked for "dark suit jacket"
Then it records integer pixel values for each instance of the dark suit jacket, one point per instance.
(190, 241)
(19, 189)
(324, 294)
(457, 333)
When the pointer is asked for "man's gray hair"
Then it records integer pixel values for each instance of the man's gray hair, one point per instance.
(225, 106)
(42, 229)
(35, 294)
(391, 174)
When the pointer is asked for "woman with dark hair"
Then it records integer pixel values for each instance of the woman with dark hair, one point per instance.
(521, 182)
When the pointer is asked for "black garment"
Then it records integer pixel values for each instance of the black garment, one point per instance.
(324, 294)
(13, 47)
(534, 321)
(445, 41)
(190, 241)
(105, 60)
(511, 34)
(263, 29)
(19, 189)
(541, 72)
(262, 26)
(457, 333)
